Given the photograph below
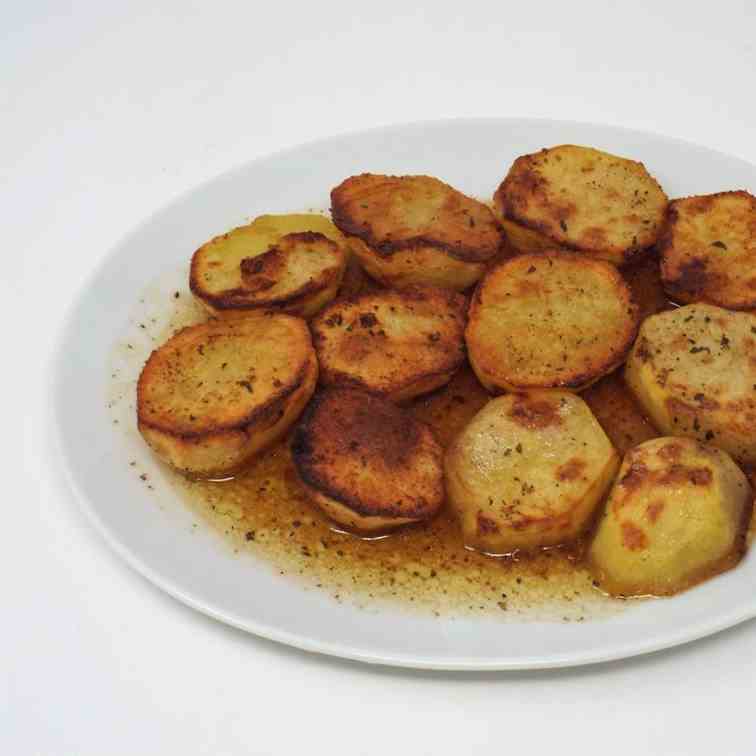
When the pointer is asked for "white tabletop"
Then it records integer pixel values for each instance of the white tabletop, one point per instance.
(107, 114)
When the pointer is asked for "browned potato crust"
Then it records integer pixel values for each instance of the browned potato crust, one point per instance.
(549, 319)
(290, 263)
(366, 463)
(397, 343)
(216, 393)
(708, 250)
(581, 199)
(416, 229)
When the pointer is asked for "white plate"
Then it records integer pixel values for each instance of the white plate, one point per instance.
(192, 565)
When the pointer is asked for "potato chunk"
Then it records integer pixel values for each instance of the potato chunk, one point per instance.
(290, 263)
(398, 343)
(367, 464)
(217, 393)
(693, 371)
(708, 250)
(582, 199)
(528, 471)
(415, 230)
(675, 516)
(549, 319)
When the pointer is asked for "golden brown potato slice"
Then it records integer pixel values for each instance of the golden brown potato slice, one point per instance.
(291, 263)
(528, 471)
(365, 463)
(549, 319)
(675, 516)
(415, 230)
(398, 343)
(581, 199)
(693, 371)
(216, 393)
(708, 250)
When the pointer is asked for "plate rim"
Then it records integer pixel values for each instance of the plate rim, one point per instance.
(303, 642)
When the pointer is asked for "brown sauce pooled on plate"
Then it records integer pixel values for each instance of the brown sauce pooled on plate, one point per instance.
(265, 512)
(425, 564)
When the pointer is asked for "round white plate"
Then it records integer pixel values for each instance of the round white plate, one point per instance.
(191, 564)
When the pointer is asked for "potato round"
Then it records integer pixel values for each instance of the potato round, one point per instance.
(415, 230)
(290, 263)
(398, 343)
(217, 393)
(693, 371)
(675, 515)
(549, 319)
(528, 471)
(367, 464)
(582, 199)
(708, 250)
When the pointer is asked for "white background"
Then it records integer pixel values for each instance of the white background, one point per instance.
(107, 112)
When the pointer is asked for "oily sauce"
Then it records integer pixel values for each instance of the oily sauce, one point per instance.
(264, 511)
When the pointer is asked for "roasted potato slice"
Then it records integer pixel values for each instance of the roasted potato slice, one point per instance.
(290, 263)
(708, 250)
(415, 230)
(217, 393)
(367, 464)
(549, 319)
(528, 471)
(582, 199)
(676, 515)
(397, 343)
(693, 371)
